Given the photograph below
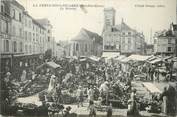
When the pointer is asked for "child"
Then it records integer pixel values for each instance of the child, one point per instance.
(92, 109)
(109, 110)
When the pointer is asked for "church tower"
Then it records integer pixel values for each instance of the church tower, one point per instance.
(109, 17)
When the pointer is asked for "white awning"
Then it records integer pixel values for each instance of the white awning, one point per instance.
(30, 100)
(125, 60)
(110, 54)
(151, 88)
(53, 64)
(138, 57)
(156, 60)
(120, 57)
(94, 58)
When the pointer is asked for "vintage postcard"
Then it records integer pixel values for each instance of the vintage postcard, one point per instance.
(96, 58)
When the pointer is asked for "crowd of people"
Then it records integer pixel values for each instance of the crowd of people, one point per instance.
(97, 83)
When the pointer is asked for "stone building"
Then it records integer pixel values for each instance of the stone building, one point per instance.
(86, 43)
(22, 38)
(120, 38)
(164, 43)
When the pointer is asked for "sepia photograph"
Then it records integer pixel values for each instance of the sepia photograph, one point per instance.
(88, 58)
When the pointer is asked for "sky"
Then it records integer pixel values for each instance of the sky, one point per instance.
(143, 15)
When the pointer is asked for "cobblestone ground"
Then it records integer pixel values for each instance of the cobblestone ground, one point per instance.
(83, 112)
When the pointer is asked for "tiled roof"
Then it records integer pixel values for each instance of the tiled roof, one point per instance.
(17, 4)
(123, 26)
(167, 33)
(86, 34)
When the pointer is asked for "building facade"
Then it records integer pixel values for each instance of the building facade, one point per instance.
(165, 43)
(174, 29)
(86, 43)
(120, 38)
(5, 36)
(22, 38)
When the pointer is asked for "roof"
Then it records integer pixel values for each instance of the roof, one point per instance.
(43, 21)
(14, 2)
(122, 26)
(50, 64)
(86, 34)
(109, 9)
(37, 23)
(165, 33)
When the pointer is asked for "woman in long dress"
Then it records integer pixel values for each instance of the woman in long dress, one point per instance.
(51, 84)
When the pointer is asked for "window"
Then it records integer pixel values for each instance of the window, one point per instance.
(2, 8)
(21, 47)
(26, 48)
(106, 47)
(33, 48)
(14, 46)
(7, 27)
(20, 30)
(26, 37)
(20, 17)
(14, 30)
(85, 47)
(25, 22)
(77, 47)
(169, 41)
(29, 34)
(123, 40)
(30, 49)
(6, 45)
(48, 39)
(129, 33)
(29, 24)
(33, 37)
(14, 13)
(129, 40)
(169, 49)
